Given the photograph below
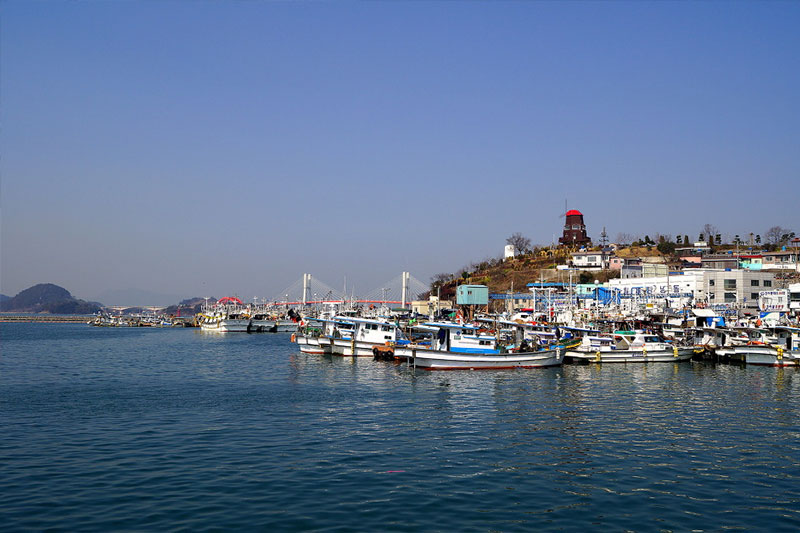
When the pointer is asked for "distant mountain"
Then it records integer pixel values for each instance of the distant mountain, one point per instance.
(188, 307)
(138, 298)
(3, 298)
(48, 298)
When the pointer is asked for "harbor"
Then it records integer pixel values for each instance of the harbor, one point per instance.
(694, 303)
(292, 439)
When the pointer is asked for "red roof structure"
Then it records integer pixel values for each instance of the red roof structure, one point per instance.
(574, 230)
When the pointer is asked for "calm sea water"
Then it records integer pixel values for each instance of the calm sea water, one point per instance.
(174, 429)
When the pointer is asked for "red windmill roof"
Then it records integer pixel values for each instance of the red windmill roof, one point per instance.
(574, 212)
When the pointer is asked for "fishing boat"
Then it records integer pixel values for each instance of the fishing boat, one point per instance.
(261, 319)
(333, 329)
(454, 346)
(782, 348)
(285, 325)
(228, 314)
(367, 334)
(628, 347)
(307, 336)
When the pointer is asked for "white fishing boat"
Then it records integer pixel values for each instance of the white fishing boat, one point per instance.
(228, 314)
(782, 348)
(628, 347)
(454, 346)
(307, 337)
(366, 335)
(333, 329)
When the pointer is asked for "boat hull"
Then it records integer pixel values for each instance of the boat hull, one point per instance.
(309, 345)
(258, 325)
(442, 360)
(768, 356)
(350, 348)
(631, 356)
(285, 326)
(227, 325)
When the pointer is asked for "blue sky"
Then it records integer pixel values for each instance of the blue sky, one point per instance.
(210, 148)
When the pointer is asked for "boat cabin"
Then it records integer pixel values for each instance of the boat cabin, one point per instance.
(375, 331)
(338, 327)
(461, 338)
(637, 340)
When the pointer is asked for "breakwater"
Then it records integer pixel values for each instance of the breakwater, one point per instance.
(50, 319)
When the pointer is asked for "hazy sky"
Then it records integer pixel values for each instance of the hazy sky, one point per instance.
(212, 148)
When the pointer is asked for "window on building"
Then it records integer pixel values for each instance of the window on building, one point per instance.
(711, 296)
(711, 283)
(754, 283)
(730, 297)
(754, 296)
(768, 283)
(730, 284)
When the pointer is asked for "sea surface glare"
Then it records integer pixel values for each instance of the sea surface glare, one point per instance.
(175, 429)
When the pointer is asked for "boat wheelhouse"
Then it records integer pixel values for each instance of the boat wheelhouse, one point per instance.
(455, 346)
(228, 314)
(628, 347)
(364, 336)
(782, 348)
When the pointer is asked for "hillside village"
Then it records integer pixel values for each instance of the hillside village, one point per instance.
(643, 264)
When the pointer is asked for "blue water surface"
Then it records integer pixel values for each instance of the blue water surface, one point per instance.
(176, 429)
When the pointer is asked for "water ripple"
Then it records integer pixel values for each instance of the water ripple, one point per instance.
(170, 429)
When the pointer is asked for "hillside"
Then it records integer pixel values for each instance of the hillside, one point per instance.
(540, 265)
(48, 298)
(188, 307)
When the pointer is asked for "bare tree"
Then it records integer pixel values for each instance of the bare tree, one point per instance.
(709, 230)
(521, 244)
(440, 279)
(775, 234)
(626, 238)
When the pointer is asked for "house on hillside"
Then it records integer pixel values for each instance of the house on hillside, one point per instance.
(598, 260)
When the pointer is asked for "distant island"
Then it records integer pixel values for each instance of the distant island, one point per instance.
(48, 298)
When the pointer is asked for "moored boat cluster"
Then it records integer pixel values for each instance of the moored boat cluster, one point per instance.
(522, 340)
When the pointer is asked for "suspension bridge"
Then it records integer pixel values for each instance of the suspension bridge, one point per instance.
(308, 290)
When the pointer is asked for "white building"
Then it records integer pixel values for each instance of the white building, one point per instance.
(590, 260)
(794, 298)
(731, 288)
(783, 260)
